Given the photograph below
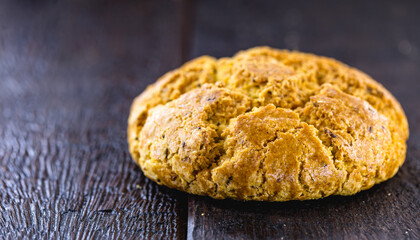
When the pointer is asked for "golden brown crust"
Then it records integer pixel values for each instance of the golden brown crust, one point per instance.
(269, 125)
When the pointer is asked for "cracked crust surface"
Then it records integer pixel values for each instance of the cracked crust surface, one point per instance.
(268, 125)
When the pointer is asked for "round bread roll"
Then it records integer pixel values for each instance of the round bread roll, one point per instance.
(267, 125)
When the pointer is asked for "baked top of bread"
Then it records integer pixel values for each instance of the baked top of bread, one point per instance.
(269, 125)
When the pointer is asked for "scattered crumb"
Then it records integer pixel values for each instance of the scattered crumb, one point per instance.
(203, 214)
(138, 186)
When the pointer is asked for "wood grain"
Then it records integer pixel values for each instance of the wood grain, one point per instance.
(69, 72)
(381, 39)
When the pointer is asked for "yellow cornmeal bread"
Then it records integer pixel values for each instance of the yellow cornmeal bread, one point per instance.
(267, 125)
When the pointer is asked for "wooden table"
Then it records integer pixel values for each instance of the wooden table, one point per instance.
(70, 69)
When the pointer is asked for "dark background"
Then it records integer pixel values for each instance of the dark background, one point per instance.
(70, 69)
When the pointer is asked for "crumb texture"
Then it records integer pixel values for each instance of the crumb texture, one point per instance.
(267, 125)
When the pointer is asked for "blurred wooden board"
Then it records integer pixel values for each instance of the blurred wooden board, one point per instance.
(382, 39)
(69, 72)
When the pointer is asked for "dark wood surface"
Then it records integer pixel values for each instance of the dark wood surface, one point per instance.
(70, 69)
